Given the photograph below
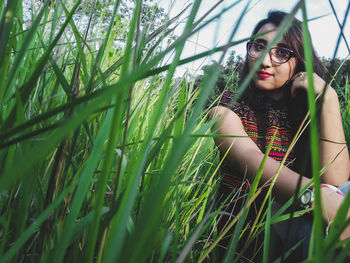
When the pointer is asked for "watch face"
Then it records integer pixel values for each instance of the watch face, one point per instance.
(306, 198)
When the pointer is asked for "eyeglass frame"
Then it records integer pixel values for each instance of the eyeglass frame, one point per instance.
(292, 53)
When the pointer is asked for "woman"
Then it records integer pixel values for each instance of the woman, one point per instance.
(275, 101)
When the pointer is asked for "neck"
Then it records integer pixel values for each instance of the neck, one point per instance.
(275, 94)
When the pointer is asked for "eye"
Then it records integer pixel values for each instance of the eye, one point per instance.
(258, 47)
(283, 53)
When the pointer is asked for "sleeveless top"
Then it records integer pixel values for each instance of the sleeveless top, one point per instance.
(260, 127)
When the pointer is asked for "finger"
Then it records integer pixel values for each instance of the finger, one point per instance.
(299, 75)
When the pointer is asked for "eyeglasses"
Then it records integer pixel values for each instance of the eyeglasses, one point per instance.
(278, 55)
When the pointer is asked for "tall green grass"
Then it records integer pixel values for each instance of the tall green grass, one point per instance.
(105, 155)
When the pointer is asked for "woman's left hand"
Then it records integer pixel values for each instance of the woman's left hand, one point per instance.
(300, 81)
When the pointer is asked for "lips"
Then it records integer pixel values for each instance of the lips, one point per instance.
(263, 74)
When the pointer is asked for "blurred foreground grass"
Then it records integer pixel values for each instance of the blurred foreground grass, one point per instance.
(105, 156)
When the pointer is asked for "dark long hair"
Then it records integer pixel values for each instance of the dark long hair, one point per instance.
(297, 107)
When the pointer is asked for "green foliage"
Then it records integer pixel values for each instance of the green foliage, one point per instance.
(104, 157)
(229, 73)
(338, 71)
(66, 194)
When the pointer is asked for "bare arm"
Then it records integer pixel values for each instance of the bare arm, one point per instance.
(332, 139)
(245, 154)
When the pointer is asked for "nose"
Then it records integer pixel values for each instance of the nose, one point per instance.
(267, 61)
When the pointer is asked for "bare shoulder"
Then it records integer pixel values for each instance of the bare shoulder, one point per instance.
(223, 112)
(242, 148)
(228, 122)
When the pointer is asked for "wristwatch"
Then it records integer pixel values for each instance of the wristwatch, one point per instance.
(307, 198)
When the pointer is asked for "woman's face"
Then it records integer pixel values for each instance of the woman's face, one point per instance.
(272, 76)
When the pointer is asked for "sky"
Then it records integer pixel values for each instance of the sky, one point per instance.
(324, 31)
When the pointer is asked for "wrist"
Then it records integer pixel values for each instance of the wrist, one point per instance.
(306, 199)
(330, 97)
(333, 188)
(331, 201)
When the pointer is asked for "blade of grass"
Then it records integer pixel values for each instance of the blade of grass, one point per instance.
(113, 246)
(165, 247)
(8, 131)
(83, 186)
(95, 99)
(6, 24)
(29, 86)
(267, 232)
(27, 43)
(6, 27)
(343, 256)
(61, 78)
(151, 209)
(315, 155)
(101, 51)
(193, 238)
(245, 209)
(338, 225)
(35, 225)
(113, 137)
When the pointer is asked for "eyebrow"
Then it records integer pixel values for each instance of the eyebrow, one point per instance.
(263, 41)
(260, 40)
(283, 45)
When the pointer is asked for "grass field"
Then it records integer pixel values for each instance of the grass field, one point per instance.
(105, 155)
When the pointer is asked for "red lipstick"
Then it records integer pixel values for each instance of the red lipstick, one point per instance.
(263, 74)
